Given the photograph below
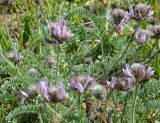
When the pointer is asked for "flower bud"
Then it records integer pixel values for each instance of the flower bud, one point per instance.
(15, 57)
(38, 2)
(52, 92)
(118, 15)
(143, 12)
(51, 61)
(99, 92)
(24, 94)
(139, 71)
(88, 60)
(142, 36)
(156, 31)
(28, 95)
(33, 88)
(149, 73)
(33, 72)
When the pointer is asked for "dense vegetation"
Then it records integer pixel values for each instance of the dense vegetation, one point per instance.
(79, 61)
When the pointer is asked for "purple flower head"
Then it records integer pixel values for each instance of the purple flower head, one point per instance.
(149, 72)
(76, 84)
(61, 95)
(59, 31)
(143, 12)
(81, 82)
(120, 16)
(142, 36)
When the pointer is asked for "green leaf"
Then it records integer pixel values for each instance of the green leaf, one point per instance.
(27, 32)
(4, 42)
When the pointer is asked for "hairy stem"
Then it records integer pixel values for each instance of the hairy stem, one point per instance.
(79, 105)
(125, 105)
(134, 105)
(57, 65)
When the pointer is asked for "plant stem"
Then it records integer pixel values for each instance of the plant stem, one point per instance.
(134, 105)
(57, 65)
(71, 107)
(79, 105)
(40, 118)
(125, 105)
(120, 58)
(152, 56)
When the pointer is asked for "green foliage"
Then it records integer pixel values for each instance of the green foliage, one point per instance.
(26, 33)
(21, 112)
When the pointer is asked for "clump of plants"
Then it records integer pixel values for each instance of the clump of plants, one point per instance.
(100, 63)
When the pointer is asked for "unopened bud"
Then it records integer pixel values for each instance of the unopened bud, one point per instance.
(99, 92)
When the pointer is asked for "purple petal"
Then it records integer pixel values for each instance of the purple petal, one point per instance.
(148, 75)
(61, 95)
(57, 31)
(149, 69)
(113, 82)
(89, 81)
(51, 26)
(126, 17)
(43, 86)
(62, 24)
(149, 72)
(24, 94)
(155, 30)
(138, 11)
(143, 38)
(127, 71)
(129, 84)
(142, 73)
(131, 12)
(47, 97)
(66, 34)
(137, 33)
(150, 12)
